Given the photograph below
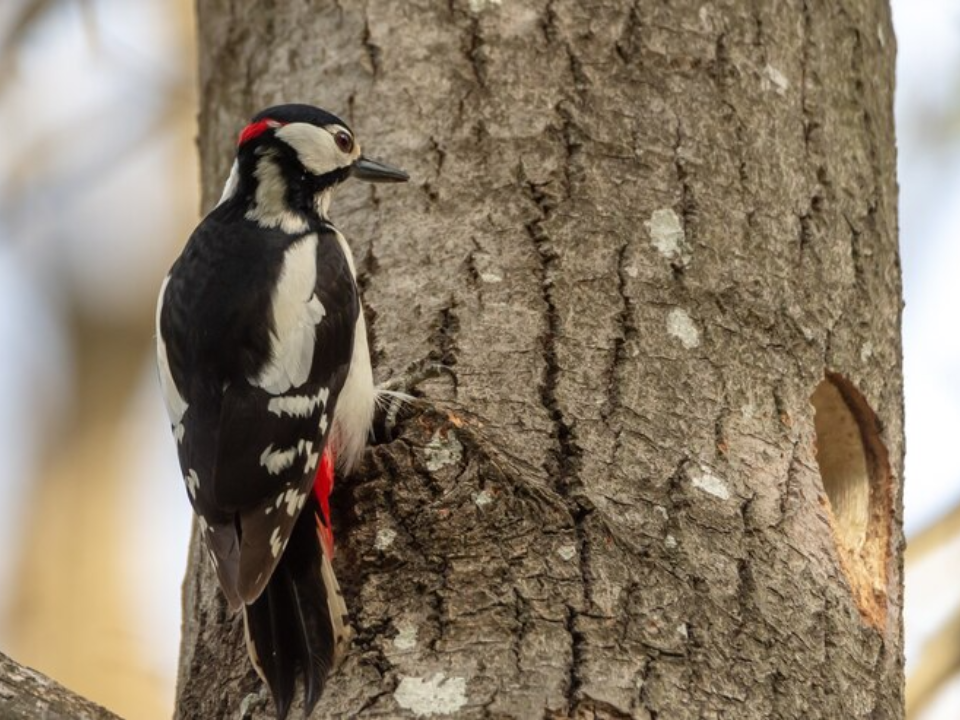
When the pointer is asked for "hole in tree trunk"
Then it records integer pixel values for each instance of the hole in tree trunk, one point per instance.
(855, 471)
(843, 464)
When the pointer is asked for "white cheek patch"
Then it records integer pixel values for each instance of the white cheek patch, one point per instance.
(315, 147)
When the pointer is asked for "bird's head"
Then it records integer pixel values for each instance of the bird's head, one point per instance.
(290, 158)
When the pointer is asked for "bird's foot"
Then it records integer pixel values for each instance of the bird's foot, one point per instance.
(395, 402)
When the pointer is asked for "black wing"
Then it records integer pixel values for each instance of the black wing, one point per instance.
(260, 376)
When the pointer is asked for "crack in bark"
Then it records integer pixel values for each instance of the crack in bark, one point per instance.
(721, 69)
(577, 637)
(859, 75)
(369, 267)
(789, 491)
(579, 75)
(757, 25)
(566, 456)
(374, 699)
(811, 138)
(646, 701)
(370, 48)
(856, 251)
(440, 154)
(809, 124)
(473, 271)
(445, 336)
(521, 614)
(548, 24)
(629, 46)
(472, 46)
(688, 204)
(675, 491)
(626, 332)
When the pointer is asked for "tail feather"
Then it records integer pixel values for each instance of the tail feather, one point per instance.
(268, 642)
(303, 633)
(298, 626)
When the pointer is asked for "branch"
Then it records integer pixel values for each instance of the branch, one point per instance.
(25, 693)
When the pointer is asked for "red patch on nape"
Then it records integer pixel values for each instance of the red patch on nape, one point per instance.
(322, 487)
(257, 128)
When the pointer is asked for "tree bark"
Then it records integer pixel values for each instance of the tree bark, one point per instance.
(25, 693)
(649, 240)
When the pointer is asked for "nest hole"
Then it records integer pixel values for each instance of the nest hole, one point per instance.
(843, 464)
(855, 470)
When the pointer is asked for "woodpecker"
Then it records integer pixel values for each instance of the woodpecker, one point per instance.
(265, 372)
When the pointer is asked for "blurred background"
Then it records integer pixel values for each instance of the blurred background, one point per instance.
(99, 188)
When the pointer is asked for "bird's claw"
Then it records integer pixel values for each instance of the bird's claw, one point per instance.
(394, 398)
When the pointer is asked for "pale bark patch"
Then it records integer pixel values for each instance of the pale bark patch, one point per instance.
(437, 695)
(681, 326)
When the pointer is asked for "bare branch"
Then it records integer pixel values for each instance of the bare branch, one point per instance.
(25, 693)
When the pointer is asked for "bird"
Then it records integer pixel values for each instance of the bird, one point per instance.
(264, 368)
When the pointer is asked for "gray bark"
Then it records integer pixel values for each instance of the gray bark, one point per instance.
(25, 693)
(641, 235)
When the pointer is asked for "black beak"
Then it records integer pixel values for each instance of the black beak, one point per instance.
(373, 171)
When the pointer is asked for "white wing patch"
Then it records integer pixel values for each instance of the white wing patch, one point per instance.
(276, 546)
(298, 405)
(172, 399)
(295, 501)
(276, 461)
(312, 457)
(296, 312)
(193, 482)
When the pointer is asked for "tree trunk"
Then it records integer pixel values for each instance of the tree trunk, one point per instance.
(657, 245)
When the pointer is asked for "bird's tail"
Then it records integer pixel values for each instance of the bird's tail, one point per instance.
(299, 625)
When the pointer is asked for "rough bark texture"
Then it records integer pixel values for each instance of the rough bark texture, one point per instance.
(25, 693)
(641, 235)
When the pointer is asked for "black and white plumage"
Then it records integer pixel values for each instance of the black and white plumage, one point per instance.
(264, 369)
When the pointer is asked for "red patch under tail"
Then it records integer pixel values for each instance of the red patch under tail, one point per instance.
(322, 487)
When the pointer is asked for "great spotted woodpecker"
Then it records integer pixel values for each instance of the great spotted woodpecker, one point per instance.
(265, 372)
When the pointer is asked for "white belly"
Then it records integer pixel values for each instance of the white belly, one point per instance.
(354, 413)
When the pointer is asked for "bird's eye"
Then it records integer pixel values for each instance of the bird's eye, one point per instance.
(344, 141)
